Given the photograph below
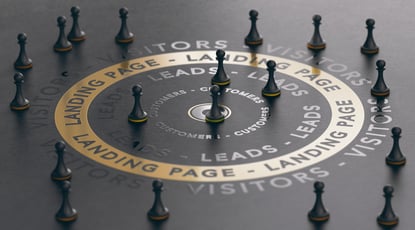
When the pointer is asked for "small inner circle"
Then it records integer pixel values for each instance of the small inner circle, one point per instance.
(198, 112)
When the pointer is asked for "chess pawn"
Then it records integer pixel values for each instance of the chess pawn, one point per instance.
(388, 217)
(395, 156)
(23, 61)
(66, 213)
(253, 38)
(316, 43)
(62, 44)
(318, 213)
(137, 115)
(380, 89)
(220, 78)
(214, 115)
(19, 102)
(61, 172)
(124, 36)
(158, 211)
(271, 89)
(369, 47)
(76, 34)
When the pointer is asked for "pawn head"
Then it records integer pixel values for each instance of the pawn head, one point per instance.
(388, 189)
(65, 185)
(396, 131)
(61, 20)
(75, 10)
(60, 146)
(157, 184)
(137, 89)
(317, 18)
(18, 77)
(220, 53)
(215, 90)
(370, 22)
(319, 185)
(253, 13)
(22, 37)
(271, 64)
(380, 63)
(123, 11)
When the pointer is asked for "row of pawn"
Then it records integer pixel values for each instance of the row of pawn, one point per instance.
(319, 213)
(316, 42)
(125, 36)
(66, 213)
(76, 34)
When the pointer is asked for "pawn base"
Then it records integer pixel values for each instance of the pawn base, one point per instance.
(395, 162)
(125, 40)
(77, 39)
(158, 217)
(223, 83)
(137, 120)
(19, 107)
(214, 120)
(56, 177)
(67, 218)
(380, 93)
(365, 50)
(23, 66)
(271, 94)
(63, 49)
(387, 222)
(250, 42)
(318, 218)
(316, 47)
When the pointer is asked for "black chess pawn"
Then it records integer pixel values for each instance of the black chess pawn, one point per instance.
(66, 213)
(380, 89)
(19, 102)
(137, 115)
(369, 47)
(388, 217)
(395, 156)
(76, 34)
(62, 44)
(61, 172)
(271, 89)
(316, 43)
(23, 61)
(215, 115)
(318, 213)
(220, 78)
(253, 38)
(124, 36)
(158, 211)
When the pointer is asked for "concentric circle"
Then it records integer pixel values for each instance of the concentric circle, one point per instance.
(71, 117)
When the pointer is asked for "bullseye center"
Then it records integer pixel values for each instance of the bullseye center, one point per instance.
(198, 112)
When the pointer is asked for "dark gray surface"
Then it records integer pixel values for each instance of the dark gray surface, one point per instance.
(29, 199)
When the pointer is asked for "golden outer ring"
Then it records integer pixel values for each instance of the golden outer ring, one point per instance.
(240, 171)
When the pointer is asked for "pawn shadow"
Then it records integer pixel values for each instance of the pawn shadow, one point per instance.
(157, 225)
(318, 225)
